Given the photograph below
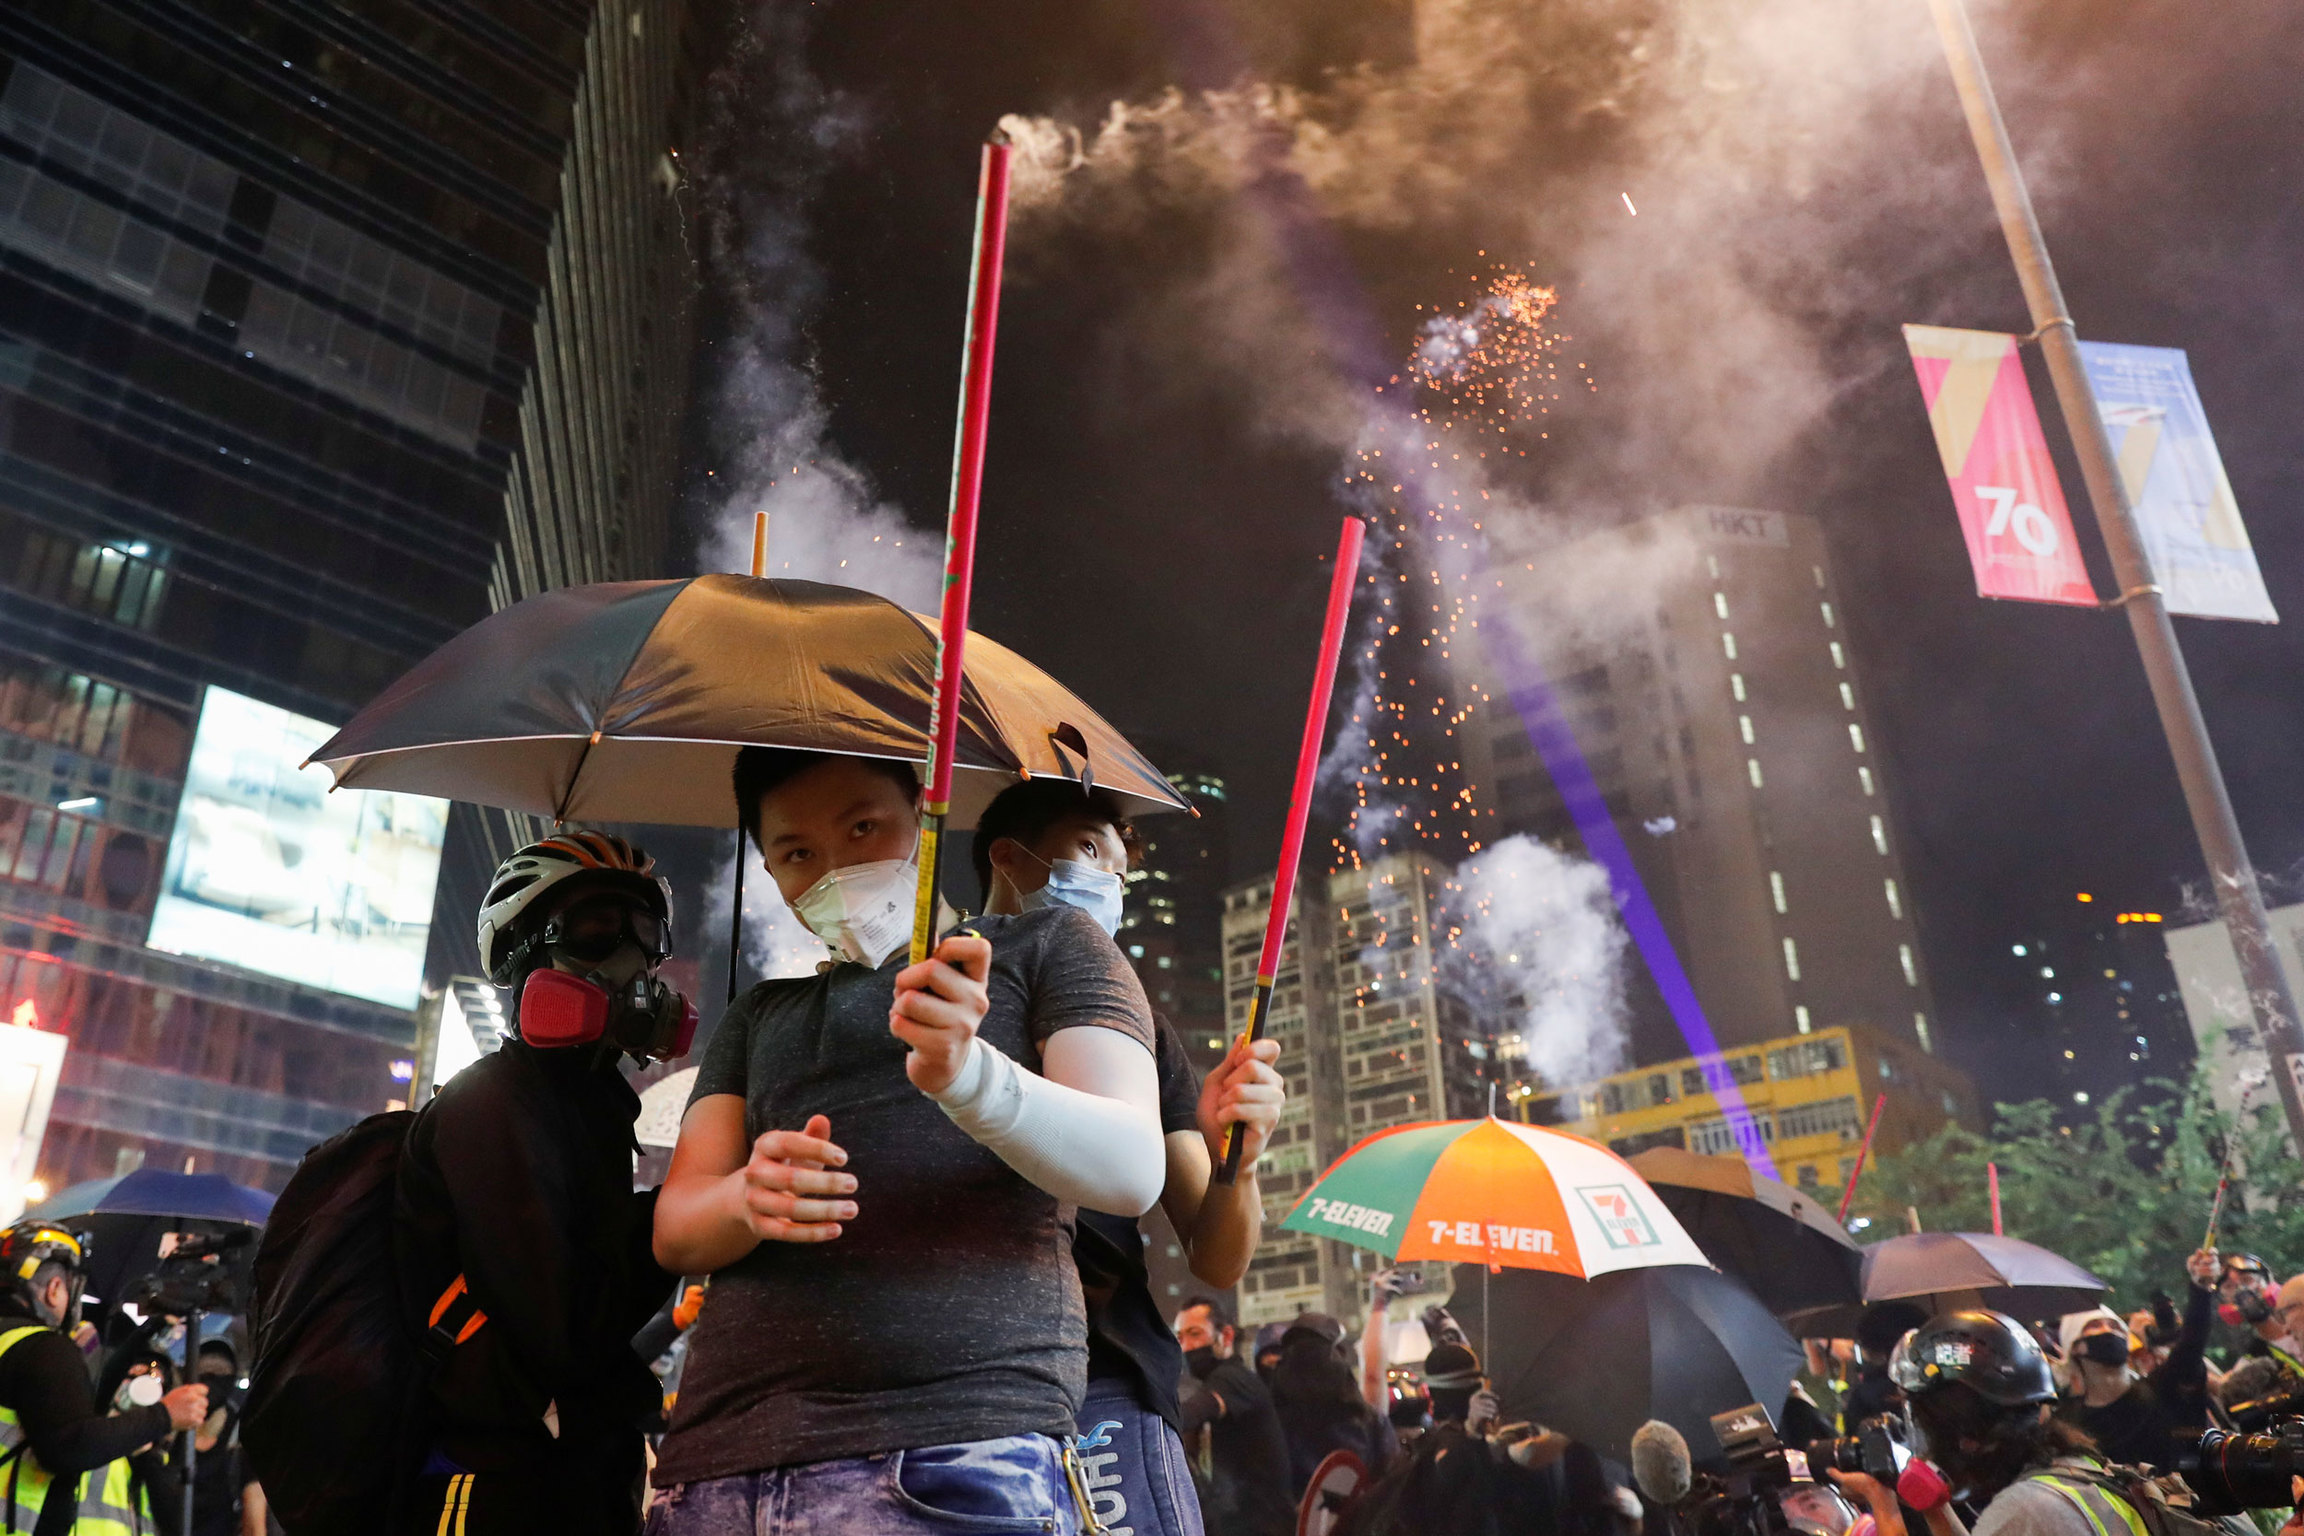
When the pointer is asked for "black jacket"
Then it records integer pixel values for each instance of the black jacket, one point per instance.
(518, 1175)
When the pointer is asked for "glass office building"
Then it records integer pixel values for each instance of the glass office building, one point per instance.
(324, 326)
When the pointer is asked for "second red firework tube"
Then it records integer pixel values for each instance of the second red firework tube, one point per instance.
(960, 529)
(1340, 584)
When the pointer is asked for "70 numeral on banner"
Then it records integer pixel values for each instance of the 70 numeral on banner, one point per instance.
(2034, 529)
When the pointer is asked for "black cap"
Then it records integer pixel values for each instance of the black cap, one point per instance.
(1316, 1324)
(1990, 1353)
(1452, 1367)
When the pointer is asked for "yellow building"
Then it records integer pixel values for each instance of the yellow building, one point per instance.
(1809, 1096)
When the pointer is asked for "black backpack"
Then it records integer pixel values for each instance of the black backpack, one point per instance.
(332, 1428)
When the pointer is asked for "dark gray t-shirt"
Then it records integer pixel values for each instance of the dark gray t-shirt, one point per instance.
(949, 1309)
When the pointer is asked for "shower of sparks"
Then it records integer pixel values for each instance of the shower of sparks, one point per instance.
(1477, 389)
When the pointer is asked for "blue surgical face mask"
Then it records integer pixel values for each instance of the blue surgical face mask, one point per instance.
(1072, 883)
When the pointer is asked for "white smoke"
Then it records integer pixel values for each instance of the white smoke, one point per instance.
(1536, 954)
(775, 137)
(775, 942)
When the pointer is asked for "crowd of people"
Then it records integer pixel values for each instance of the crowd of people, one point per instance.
(895, 1278)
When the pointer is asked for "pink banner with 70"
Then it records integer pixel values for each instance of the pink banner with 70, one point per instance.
(2004, 485)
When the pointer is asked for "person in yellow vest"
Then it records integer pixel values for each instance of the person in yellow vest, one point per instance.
(63, 1461)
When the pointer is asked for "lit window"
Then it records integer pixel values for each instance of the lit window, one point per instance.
(1720, 604)
(1728, 644)
(1847, 696)
(1911, 967)
(1752, 764)
(1880, 836)
(2048, 971)
(1856, 735)
(1744, 724)
(1736, 685)
(1920, 1028)
(1136, 951)
(1864, 777)
(1791, 958)
(1800, 1017)
(1828, 619)
(1776, 889)
(2057, 997)
(1839, 657)
(2080, 1097)
(1895, 902)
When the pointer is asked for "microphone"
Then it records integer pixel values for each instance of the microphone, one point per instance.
(1660, 1463)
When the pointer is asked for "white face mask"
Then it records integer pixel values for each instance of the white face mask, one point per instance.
(1077, 883)
(863, 910)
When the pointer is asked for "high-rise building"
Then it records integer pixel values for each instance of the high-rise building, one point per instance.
(1368, 1039)
(1700, 664)
(322, 328)
(2093, 1002)
(1172, 927)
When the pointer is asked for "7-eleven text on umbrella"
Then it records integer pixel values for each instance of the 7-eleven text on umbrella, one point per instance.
(1467, 1234)
(1359, 1218)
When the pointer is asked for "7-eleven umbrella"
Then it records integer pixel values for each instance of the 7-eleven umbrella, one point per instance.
(1494, 1192)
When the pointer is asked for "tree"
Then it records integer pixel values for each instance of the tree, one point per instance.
(2125, 1195)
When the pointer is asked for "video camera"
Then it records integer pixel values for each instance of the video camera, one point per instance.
(195, 1275)
(2230, 1471)
(1766, 1490)
(1877, 1450)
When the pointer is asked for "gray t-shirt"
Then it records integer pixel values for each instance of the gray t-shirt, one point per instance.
(949, 1309)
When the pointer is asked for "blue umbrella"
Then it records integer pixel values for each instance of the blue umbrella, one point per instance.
(127, 1217)
(156, 1192)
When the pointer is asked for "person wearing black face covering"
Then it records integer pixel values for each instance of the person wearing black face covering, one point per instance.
(219, 1472)
(1249, 1491)
(517, 1182)
(2134, 1418)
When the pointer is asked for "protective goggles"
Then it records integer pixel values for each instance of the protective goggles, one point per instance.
(595, 927)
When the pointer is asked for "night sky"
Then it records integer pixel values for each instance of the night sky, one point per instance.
(1153, 538)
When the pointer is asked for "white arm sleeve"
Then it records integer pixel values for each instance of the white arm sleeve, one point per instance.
(1102, 1153)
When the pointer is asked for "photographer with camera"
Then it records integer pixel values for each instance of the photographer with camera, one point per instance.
(2133, 1418)
(2269, 1377)
(66, 1460)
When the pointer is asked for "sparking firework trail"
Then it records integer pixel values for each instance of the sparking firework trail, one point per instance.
(1531, 956)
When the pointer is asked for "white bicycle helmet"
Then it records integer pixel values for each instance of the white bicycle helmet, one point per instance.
(522, 880)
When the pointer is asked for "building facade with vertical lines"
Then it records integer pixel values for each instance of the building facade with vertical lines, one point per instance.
(325, 325)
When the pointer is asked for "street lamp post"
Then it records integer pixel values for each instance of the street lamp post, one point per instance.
(2237, 895)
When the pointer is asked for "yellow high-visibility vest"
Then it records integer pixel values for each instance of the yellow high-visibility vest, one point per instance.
(109, 1502)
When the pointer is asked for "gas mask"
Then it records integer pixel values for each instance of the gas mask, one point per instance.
(642, 1017)
(863, 910)
(2248, 1307)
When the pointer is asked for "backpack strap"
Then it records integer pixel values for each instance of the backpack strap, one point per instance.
(455, 1318)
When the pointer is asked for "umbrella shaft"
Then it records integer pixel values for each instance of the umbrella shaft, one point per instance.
(1230, 1172)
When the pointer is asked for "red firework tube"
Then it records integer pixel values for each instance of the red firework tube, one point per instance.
(1992, 1187)
(1340, 584)
(960, 527)
(1848, 1195)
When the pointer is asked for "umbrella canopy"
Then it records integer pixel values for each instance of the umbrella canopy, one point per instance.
(1778, 1241)
(127, 1217)
(628, 701)
(1596, 1359)
(1494, 1192)
(1940, 1270)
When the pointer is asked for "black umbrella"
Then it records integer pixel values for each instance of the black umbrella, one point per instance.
(1597, 1358)
(1782, 1244)
(1941, 1270)
(628, 701)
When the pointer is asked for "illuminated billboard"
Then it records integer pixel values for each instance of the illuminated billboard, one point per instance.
(269, 871)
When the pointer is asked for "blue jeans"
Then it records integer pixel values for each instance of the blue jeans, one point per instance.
(1135, 1468)
(990, 1487)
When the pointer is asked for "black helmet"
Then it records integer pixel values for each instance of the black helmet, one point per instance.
(1990, 1353)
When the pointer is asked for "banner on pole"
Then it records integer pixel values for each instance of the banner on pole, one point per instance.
(2185, 512)
(2004, 485)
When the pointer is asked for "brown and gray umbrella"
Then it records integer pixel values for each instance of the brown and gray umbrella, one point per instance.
(628, 701)
(1777, 1240)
